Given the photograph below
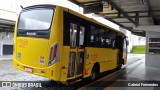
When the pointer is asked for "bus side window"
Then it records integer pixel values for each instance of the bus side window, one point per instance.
(98, 39)
(73, 35)
(108, 39)
(93, 36)
(113, 39)
(102, 33)
(81, 37)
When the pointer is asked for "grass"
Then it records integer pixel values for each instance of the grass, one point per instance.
(139, 50)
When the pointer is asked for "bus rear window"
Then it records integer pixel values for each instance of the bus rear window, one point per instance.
(35, 19)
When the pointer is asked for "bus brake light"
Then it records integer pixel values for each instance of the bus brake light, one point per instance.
(55, 51)
(54, 55)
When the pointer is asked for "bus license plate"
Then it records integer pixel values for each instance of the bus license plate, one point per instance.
(29, 69)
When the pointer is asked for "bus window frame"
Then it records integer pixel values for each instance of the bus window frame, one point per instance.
(47, 30)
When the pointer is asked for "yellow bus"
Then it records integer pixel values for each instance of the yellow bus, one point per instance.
(60, 44)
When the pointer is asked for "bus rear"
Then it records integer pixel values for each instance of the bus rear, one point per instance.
(35, 51)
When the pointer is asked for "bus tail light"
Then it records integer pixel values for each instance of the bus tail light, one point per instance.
(54, 55)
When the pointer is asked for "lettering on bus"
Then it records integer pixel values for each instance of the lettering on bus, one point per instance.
(86, 71)
(94, 57)
(22, 43)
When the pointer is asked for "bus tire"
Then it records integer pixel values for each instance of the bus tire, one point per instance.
(94, 74)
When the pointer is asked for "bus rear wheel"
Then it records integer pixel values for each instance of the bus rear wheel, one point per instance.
(94, 74)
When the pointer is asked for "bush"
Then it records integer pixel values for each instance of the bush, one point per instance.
(139, 49)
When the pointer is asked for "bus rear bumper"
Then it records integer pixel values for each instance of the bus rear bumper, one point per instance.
(51, 72)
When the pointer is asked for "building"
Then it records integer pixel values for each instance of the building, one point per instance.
(8, 17)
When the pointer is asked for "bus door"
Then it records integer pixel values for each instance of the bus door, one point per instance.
(76, 56)
(120, 49)
(125, 50)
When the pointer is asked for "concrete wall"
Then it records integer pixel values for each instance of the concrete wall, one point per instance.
(152, 59)
(138, 40)
(7, 40)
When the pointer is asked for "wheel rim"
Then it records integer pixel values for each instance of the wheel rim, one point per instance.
(93, 74)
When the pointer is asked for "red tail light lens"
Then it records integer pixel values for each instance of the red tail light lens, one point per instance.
(54, 55)
(55, 51)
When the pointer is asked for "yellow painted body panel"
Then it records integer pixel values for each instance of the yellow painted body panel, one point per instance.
(106, 57)
(48, 72)
(31, 49)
